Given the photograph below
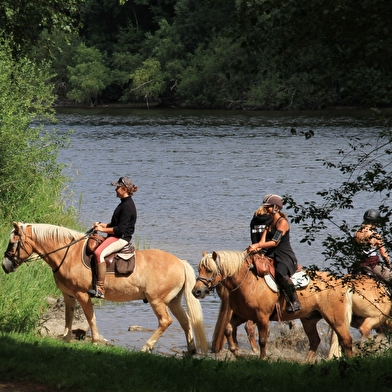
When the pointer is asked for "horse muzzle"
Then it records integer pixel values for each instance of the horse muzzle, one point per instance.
(200, 292)
(8, 266)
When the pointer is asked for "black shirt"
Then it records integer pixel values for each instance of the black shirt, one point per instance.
(124, 219)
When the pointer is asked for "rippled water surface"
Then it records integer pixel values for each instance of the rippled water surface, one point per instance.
(201, 175)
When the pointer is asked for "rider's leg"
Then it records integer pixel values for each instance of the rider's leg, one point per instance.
(286, 284)
(110, 245)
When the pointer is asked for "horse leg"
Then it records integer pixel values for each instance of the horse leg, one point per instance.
(250, 328)
(230, 332)
(87, 306)
(310, 328)
(262, 326)
(69, 316)
(164, 320)
(179, 313)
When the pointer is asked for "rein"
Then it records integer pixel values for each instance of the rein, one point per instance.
(18, 261)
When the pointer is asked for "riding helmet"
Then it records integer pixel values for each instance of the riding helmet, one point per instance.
(372, 216)
(273, 200)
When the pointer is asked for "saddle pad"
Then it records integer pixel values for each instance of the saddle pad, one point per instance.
(300, 280)
(271, 283)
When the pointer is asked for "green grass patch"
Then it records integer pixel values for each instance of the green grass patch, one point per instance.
(86, 367)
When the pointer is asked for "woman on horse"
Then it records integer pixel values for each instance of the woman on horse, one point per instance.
(119, 231)
(276, 242)
(372, 246)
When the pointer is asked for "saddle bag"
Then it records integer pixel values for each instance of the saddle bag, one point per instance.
(263, 265)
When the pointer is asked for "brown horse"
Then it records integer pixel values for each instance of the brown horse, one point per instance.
(159, 277)
(250, 298)
(371, 309)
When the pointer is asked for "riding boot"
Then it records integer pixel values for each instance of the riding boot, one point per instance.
(99, 291)
(292, 300)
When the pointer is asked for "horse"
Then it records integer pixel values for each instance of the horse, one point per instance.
(250, 298)
(159, 277)
(371, 309)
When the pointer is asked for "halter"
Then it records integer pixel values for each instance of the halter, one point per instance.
(16, 260)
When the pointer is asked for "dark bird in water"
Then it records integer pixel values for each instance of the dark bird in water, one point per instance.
(293, 131)
(309, 134)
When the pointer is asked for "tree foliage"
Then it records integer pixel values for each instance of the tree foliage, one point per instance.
(22, 22)
(89, 77)
(30, 176)
(367, 171)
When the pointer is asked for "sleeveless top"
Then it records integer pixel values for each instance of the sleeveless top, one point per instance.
(283, 253)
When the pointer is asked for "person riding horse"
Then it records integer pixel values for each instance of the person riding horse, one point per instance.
(119, 231)
(372, 247)
(275, 240)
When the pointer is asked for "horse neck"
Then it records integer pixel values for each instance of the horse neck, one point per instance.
(50, 250)
(239, 280)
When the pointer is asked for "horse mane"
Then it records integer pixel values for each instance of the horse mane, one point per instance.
(230, 261)
(51, 232)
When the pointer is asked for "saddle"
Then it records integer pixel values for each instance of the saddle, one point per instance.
(119, 263)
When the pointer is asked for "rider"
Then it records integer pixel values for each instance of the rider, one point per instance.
(119, 231)
(258, 224)
(372, 246)
(276, 241)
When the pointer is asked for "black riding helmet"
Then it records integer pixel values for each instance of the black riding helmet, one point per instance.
(372, 216)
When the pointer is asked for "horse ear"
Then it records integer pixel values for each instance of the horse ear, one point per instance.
(204, 253)
(214, 255)
(16, 227)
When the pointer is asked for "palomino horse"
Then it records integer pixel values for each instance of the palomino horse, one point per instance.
(250, 298)
(159, 277)
(371, 309)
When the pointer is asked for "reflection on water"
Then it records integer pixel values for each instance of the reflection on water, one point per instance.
(201, 175)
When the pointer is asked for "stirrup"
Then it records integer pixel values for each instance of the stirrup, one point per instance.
(293, 307)
(96, 293)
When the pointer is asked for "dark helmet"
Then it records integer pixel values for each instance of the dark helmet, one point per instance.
(372, 216)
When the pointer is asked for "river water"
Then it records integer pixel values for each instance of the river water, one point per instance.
(201, 175)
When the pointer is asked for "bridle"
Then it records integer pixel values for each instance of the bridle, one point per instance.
(17, 260)
(209, 282)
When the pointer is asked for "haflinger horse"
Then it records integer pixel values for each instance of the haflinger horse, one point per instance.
(159, 277)
(371, 309)
(250, 298)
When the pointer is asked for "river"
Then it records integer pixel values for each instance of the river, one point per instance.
(201, 175)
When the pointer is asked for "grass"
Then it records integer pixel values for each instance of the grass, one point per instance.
(85, 367)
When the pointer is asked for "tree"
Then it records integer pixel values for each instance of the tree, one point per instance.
(89, 77)
(147, 81)
(31, 181)
(22, 22)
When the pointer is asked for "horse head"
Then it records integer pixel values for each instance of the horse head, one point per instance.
(18, 250)
(209, 275)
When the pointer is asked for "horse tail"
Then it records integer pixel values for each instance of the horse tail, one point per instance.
(224, 316)
(194, 309)
(335, 349)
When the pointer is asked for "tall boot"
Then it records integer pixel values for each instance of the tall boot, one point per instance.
(292, 300)
(99, 291)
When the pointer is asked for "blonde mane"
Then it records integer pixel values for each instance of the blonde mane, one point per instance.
(229, 262)
(51, 232)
